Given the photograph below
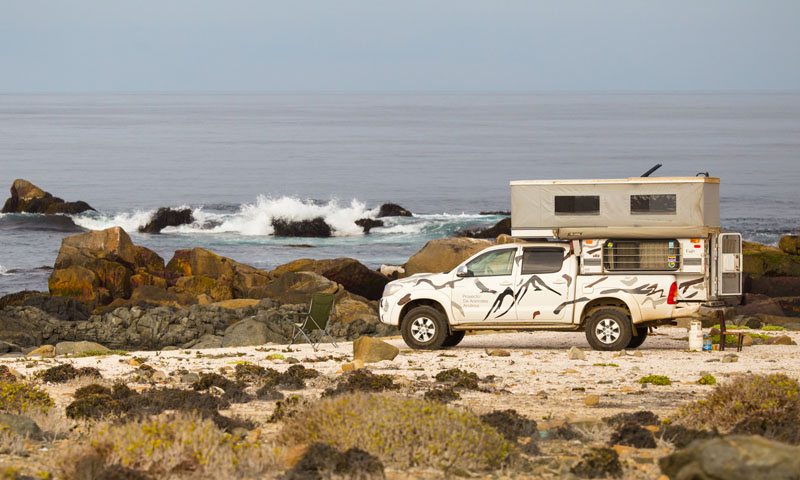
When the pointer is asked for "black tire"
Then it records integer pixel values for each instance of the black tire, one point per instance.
(454, 338)
(424, 328)
(638, 339)
(609, 329)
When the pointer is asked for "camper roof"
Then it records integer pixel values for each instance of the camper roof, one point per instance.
(637, 207)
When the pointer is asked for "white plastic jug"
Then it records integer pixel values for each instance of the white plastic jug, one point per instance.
(695, 337)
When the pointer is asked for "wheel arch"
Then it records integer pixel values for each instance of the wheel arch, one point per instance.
(428, 302)
(614, 302)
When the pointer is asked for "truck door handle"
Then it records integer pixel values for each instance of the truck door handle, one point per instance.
(505, 284)
(559, 282)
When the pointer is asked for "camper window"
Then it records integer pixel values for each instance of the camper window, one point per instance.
(649, 255)
(577, 205)
(498, 262)
(664, 204)
(542, 260)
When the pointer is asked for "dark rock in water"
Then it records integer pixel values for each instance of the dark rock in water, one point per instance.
(502, 227)
(499, 212)
(28, 198)
(41, 223)
(368, 224)
(167, 217)
(393, 210)
(304, 228)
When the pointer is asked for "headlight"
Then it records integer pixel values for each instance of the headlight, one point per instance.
(390, 289)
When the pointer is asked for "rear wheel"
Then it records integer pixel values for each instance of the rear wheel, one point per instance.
(454, 338)
(424, 328)
(638, 339)
(609, 329)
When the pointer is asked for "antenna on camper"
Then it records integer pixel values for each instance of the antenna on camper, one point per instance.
(656, 167)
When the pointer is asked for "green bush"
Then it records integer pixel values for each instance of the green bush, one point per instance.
(16, 397)
(170, 446)
(402, 431)
(707, 380)
(656, 380)
(768, 405)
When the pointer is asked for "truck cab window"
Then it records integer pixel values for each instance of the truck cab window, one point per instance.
(542, 260)
(499, 262)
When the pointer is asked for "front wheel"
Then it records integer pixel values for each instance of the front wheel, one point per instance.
(609, 329)
(638, 339)
(424, 328)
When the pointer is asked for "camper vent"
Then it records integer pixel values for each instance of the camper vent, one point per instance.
(641, 255)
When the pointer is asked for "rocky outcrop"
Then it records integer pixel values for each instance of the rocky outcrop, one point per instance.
(773, 286)
(167, 217)
(149, 328)
(28, 198)
(790, 244)
(303, 228)
(765, 261)
(443, 255)
(296, 287)
(736, 457)
(369, 223)
(503, 227)
(351, 274)
(393, 210)
(96, 267)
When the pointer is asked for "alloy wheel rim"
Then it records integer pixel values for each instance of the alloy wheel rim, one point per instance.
(423, 329)
(607, 331)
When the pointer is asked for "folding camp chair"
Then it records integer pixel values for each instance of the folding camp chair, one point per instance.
(318, 317)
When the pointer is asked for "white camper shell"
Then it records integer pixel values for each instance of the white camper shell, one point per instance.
(610, 257)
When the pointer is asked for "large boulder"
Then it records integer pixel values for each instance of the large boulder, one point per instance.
(370, 350)
(301, 228)
(393, 210)
(198, 271)
(167, 217)
(790, 305)
(349, 273)
(767, 307)
(246, 333)
(790, 244)
(296, 287)
(63, 308)
(503, 227)
(444, 254)
(736, 457)
(28, 198)
(100, 266)
(766, 261)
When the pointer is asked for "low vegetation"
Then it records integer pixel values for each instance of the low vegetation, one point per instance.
(179, 445)
(401, 431)
(17, 397)
(767, 405)
(707, 380)
(655, 380)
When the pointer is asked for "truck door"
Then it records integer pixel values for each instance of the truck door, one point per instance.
(545, 285)
(486, 293)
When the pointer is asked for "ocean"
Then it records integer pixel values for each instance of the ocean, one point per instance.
(239, 160)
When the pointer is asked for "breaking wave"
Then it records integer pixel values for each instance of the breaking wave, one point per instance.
(4, 271)
(255, 219)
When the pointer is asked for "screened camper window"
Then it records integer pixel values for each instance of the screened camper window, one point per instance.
(648, 255)
(662, 204)
(542, 260)
(577, 205)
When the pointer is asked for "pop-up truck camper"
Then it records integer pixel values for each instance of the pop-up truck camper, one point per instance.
(609, 257)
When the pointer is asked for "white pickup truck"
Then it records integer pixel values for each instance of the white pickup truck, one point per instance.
(552, 286)
(612, 257)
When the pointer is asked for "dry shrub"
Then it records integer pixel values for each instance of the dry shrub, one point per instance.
(401, 431)
(178, 445)
(767, 405)
(12, 443)
(17, 397)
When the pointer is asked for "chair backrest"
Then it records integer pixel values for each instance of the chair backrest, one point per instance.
(320, 309)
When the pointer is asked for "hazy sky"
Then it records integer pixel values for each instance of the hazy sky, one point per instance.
(408, 45)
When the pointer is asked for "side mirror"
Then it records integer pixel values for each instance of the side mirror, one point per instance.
(462, 271)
